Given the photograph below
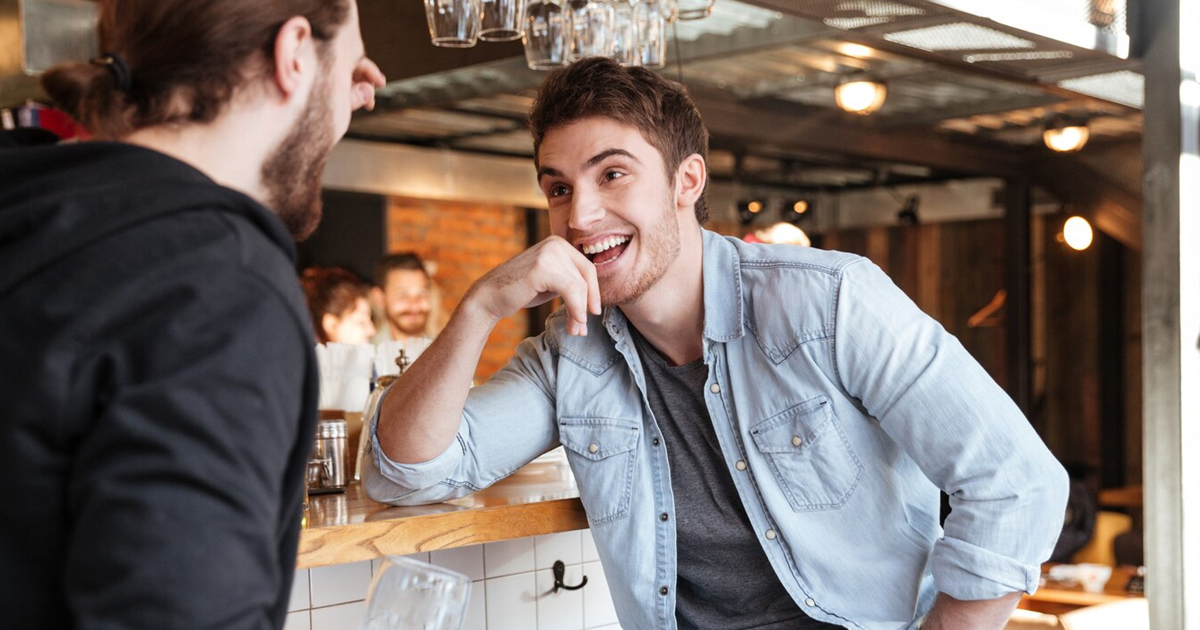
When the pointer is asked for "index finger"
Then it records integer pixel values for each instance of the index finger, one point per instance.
(367, 77)
(588, 271)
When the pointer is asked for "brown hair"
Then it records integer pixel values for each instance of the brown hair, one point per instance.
(332, 291)
(186, 58)
(659, 108)
(403, 261)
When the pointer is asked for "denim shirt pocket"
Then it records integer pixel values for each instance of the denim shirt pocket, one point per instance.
(810, 455)
(602, 454)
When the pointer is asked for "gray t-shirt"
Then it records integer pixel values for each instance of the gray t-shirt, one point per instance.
(725, 581)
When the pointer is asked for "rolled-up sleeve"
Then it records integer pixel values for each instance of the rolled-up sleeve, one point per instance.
(1007, 492)
(506, 423)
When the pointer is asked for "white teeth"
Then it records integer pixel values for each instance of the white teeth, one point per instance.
(607, 243)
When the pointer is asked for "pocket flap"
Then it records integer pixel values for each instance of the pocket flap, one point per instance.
(794, 429)
(598, 438)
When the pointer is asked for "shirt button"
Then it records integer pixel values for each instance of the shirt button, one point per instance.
(810, 602)
(593, 448)
(770, 534)
(655, 442)
(741, 465)
(663, 591)
(796, 441)
(714, 388)
(664, 516)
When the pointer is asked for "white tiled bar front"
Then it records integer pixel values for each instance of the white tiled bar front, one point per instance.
(510, 587)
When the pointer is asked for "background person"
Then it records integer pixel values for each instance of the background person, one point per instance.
(404, 293)
(159, 376)
(338, 306)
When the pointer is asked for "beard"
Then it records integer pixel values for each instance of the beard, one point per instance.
(292, 173)
(658, 247)
(410, 324)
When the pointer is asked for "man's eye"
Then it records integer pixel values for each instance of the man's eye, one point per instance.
(558, 190)
(611, 175)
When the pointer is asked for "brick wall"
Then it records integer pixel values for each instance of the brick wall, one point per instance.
(465, 240)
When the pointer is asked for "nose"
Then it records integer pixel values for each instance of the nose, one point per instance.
(587, 209)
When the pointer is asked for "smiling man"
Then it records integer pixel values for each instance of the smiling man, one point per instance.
(758, 432)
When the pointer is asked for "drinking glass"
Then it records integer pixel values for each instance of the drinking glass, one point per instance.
(591, 28)
(501, 20)
(625, 50)
(650, 28)
(408, 594)
(546, 38)
(694, 9)
(453, 23)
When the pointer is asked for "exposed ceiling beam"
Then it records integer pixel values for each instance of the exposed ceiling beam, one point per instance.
(824, 135)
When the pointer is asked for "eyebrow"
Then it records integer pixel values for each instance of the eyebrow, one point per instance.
(592, 161)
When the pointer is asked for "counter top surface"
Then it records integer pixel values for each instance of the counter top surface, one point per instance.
(540, 498)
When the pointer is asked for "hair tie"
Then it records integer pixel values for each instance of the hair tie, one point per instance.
(116, 65)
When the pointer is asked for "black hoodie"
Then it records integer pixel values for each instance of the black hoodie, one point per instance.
(158, 395)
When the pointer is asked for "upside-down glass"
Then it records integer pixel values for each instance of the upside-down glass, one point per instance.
(650, 29)
(625, 50)
(546, 39)
(501, 20)
(694, 9)
(453, 23)
(591, 28)
(408, 594)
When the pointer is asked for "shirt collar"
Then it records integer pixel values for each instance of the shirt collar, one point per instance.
(722, 289)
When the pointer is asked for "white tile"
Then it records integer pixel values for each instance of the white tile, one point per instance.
(589, 546)
(377, 562)
(511, 604)
(465, 560)
(565, 546)
(562, 610)
(598, 608)
(297, 621)
(343, 617)
(508, 557)
(476, 618)
(340, 583)
(299, 600)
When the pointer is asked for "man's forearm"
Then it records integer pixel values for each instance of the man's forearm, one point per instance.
(421, 412)
(956, 614)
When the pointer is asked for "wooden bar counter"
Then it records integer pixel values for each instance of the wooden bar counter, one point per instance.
(540, 498)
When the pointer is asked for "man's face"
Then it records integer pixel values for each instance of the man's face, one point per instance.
(292, 173)
(406, 301)
(610, 197)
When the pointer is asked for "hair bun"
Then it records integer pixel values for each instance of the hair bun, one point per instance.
(89, 94)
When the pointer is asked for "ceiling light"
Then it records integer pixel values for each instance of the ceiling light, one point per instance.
(796, 210)
(1065, 136)
(860, 96)
(1077, 233)
(748, 209)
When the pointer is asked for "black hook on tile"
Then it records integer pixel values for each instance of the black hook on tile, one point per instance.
(560, 570)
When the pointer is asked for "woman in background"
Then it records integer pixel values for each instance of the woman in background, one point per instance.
(337, 303)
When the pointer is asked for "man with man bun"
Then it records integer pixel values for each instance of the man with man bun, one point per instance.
(159, 380)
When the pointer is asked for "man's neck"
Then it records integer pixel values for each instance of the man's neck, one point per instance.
(671, 314)
(230, 150)
(397, 335)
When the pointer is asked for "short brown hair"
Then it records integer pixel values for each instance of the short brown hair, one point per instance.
(659, 108)
(332, 291)
(186, 58)
(402, 261)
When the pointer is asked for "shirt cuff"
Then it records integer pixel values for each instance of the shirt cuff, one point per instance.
(968, 572)
(417, 476)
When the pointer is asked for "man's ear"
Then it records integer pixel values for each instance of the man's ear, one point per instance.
(377, 298)
(295, 57)
(690, 178)
(329, 323)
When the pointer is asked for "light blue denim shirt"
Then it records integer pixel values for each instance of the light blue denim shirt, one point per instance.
(840, 409)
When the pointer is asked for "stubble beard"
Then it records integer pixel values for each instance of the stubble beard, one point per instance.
(658, 248)
(292, 173)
